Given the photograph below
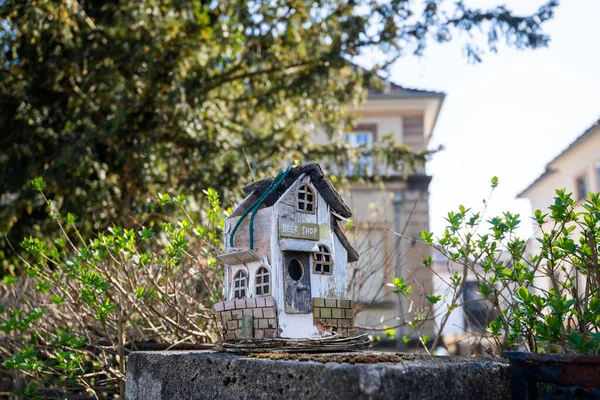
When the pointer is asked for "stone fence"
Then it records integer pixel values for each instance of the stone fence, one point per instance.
(367, 375)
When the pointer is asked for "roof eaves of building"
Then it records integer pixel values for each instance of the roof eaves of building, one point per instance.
(549, 170)
(352, 253)
(540, 178)
(396, 91)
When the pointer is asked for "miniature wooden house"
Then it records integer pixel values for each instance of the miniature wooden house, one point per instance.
(286, 260)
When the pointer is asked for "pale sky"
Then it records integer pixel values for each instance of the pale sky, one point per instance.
(511, 114)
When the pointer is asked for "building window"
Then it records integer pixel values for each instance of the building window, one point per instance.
(581, 184)
(263, 282)
(322, 259)
(306, 199)
(362, 139)
(240, 283)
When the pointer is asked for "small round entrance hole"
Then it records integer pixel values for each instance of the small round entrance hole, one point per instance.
(295, 269)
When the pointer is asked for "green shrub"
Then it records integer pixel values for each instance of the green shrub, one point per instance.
(81, 306)
(546, 295)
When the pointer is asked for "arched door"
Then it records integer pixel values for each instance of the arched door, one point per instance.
(296, 272)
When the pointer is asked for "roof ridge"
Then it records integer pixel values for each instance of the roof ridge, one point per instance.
(322, 184)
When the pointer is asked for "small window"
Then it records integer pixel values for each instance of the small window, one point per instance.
(306, 199)
(263, 282)
(322, 259)
(582, 189)
(240, 283)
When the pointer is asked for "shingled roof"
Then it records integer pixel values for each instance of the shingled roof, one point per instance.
(325, 188)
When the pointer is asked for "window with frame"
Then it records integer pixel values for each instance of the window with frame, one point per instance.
(322, 260)
(363, 139)
(581, 186)
(306, 199)
(263, 282)
(240, 284)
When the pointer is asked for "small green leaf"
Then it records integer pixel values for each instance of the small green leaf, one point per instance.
(9, 280)
(38, 183)
(494, 181)
(433, 299)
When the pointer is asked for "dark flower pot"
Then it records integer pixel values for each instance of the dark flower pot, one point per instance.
(573, 376)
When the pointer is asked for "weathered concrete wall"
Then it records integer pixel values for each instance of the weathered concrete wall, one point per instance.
(209, 375)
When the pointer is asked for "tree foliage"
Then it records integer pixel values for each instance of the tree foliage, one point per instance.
(113, 102)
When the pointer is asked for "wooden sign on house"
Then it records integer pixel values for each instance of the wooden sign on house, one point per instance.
(286, 260)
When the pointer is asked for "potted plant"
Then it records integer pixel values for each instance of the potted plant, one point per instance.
(546, 291)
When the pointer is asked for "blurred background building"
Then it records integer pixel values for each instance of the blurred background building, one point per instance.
(394, 202)
(576, 169)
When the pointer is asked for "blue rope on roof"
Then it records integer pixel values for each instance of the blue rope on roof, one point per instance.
(254, 207)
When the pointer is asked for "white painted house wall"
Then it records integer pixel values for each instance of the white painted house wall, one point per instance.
(264, 214)
(334, 285)
(580, 159)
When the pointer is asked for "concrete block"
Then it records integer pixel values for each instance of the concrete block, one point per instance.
(226, 316)
(257, 312)
(325, 313)
(237, 314)
(272, 322)
(345, 303)
(232, 325)
(331, 303)
(186, 375)
(240, 303)
(269, 301)
(230, 305)
(247, 327)
(269, 312)
(248, 311)
(219, 306)
(331, 322)
(258, 333)
(349, 313)
(260, 302)
(346, 323)
(337, 313)
(255, 323)
(271, 333)
(318, 302)
(263, 323)
(250, 303)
